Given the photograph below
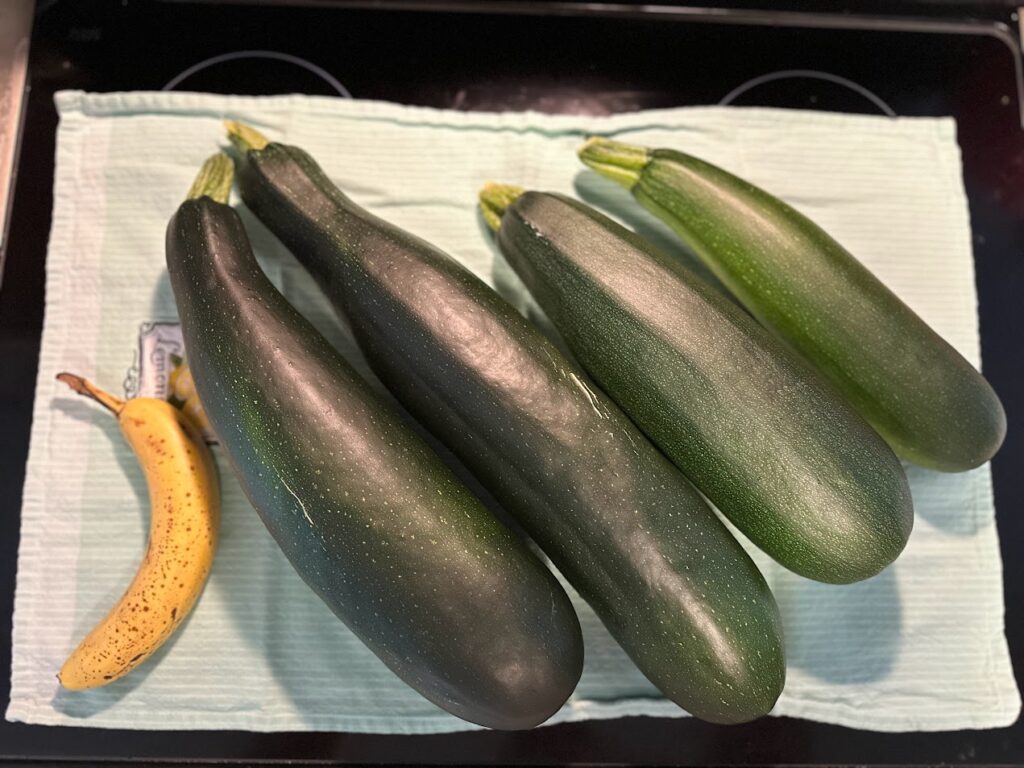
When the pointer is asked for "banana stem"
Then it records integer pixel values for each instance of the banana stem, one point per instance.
(618, 161)
(214, 179)
(245, 137)
(87, 388)
(495, 200)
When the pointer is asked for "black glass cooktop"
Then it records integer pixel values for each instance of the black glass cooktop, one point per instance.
(895, 58)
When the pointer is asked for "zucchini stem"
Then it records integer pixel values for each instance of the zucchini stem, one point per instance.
(245, 137)
(617, 160)
(214, 179)
(495, 199)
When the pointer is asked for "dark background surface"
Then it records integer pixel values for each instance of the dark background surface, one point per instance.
(939, 58)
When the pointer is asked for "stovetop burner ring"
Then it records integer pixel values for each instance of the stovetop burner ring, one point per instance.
(320, 72)
(809, 74)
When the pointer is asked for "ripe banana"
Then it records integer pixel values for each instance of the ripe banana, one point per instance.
(184, 497)
(183, 390)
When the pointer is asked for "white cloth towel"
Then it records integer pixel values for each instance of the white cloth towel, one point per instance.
(919, 647)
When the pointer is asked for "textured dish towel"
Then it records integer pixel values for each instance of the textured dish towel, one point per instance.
(919, 647)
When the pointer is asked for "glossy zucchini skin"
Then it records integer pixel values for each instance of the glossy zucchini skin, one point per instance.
(931, 405)
(618, 520)
(367, 514)
(765, 438)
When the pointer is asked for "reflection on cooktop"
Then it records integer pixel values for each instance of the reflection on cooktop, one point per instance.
(814, 89)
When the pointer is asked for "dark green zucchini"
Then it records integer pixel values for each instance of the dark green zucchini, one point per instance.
(617, 519)
(367, 514)
(927, 401)
(769, 441)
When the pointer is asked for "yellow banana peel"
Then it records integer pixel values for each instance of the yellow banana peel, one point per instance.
(183, 390)
(184, 496)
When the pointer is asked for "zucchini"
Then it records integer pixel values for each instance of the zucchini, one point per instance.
(376, 525)
(626, 529)
(766, 439)
(927, 401)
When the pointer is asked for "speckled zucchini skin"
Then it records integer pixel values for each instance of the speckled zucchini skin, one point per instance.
(367, 514)
(927, 401)
(769, 441)
(619, 521)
